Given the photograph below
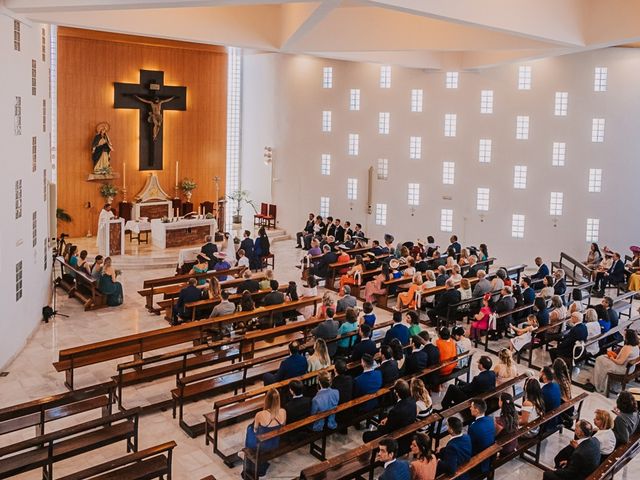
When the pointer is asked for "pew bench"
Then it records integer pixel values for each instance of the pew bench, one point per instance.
(575, 271)
(152, 462)
(618, 459)
(631, 374)
(45, 450)
(84, 287)
(522, 308)
(622, 304)
(539, 340)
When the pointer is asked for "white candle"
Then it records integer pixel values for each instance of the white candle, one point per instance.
(124, 175)
(176, 174)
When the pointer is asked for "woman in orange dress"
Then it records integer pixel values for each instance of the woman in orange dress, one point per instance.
(353, 275)
(447, 347)
(408, 299)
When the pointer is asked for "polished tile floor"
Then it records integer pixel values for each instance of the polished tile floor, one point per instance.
(31, 375)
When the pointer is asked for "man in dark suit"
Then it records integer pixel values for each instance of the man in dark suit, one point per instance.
(365, 345)
(308, 230)
(347, 300)
(482, 431)
(608, 316)
(369, 381)
(551, 394)
(376, 249)
(417, 360)
(248, 283)
(339, 231)
(401, 414)
(613, 276)
(343, 383)
(433, 358)
(247, 245)
(330, 229)
(299, 406)
(484, 382)
(328, 330)
(292, 366)
(456, 452)
(209, 248)
(389, 367)
(274, 297)
(505, 303)
(190, 293)
(559, 283)
(473, 267)
(455, 245)
(321, 268)
(357, 231)
(398, 330)
(449, 297)
(542, 272)
(528, 294)
(580, 458)
(442, 276)
(394, 469)
(577, 333)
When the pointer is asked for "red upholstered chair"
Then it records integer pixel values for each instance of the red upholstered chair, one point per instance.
(259, 218)
(270, 219)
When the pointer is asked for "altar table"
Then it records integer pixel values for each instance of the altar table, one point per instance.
(182, 232)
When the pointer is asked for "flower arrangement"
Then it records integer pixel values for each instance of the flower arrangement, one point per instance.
(108, 190)
(209, 216)
(165, 219)
(187, 185)
(238, 197)
(106, 170)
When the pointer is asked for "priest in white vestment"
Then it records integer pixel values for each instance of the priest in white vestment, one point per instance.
(106, 214)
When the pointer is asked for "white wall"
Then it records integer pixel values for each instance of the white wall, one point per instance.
(20, 317)
(292, 87)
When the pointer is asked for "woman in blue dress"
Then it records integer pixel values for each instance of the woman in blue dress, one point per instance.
(109, 286)
(261, 246)
(202, 266)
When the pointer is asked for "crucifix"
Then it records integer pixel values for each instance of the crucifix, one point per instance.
(151, 97)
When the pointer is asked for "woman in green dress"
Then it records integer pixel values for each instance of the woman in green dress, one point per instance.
(109, 286)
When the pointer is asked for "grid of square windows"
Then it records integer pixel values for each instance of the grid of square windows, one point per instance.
(593, 229)
(325, 164)
(354, 99)
(17, 116)
(522, 127)
(415, 148)
(562, 104)
(600, 75)
(16, 35)
(451, 80)
(326, 121)
(517, 225)
(484, 150)
(559, 154)
(34, 154)
(450, 124)
(43, 44)
(18, 199)
(383, 123)
(524, 77)
(597, 130)
(555, 203)
(234, 97)
(446, 220)
(486, 101)
(44, 116)
(381, 213)
(385, 76)
(413, 194)
(352, 188)
(324, 207)
(416, 100)
(595, 180)
(383, 169)
(448, 173)
(482, 199)
(520, 176)
(18, 280)
(354, 144)
(327, 77)
(34, 76)
(34, 228)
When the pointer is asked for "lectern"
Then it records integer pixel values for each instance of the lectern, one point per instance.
(114, 238)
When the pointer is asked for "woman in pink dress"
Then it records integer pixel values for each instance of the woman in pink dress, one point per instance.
(424, 464)
(375, 287)
(481, 322)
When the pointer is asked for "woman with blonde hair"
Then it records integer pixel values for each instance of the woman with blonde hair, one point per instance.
(593, 329)
(320, 358)
(464, 257)
(211, 288)
(559, 311)
(408, 299)
(505, 369)
(353, 276)
(266, 283)
(456, 276)
(603, 421)
(272, 417)
(423, 400)
(328, 301)
(429, 282)
(465, 289)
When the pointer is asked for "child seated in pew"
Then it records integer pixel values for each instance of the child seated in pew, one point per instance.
(367, 316)
(523, 333)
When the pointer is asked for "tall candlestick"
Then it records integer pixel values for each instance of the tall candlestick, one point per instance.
(176, 174)
(124, 175)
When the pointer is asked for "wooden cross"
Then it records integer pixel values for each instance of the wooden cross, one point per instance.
(151, 97)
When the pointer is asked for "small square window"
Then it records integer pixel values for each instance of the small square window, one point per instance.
(385, 76)
(18, 199)
(486, 101)
(416, 100)
(324, 207)
(43, 44)
(522, 127)
(517, 226)
(484, 150)
(595, 180)
(383, 123)
(524, 77)
(17, 116)
(327, 77)
(562, 103)
(18, 280)
(381, 213)
(325, 164)
(352, 188)
(446, 220)
(593, 229)
(354, 144)
(415, 148)
(383, 169)
(450, 123)
(520, 177)
(451, 80)
(34, 228)
(600, 79)
(326, 121)
(559, 154)
(597, 130)
(34, 154)
(413, 194)
(34, 77)
(354, 99)
(555, 203)
(482, 199)
(448, 172)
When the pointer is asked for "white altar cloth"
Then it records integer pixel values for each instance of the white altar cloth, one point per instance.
(159, 229)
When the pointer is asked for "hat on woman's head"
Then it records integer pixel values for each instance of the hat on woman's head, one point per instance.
(388, 238)
(203, 256)
(486, 296)
(634, 249)
(394, 263)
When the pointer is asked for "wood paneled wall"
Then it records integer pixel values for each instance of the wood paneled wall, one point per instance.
(89, 62)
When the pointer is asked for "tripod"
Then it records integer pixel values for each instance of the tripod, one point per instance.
(51, 312)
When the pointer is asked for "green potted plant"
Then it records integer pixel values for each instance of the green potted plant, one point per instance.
(108, 191)
(187, 186)
(239, 197)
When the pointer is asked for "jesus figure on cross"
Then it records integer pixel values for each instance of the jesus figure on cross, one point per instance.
(155, 114)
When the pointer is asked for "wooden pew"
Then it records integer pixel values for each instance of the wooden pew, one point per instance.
(152, 462)
(501, 315)
(618, 459)
(622, 304)
(575, 271)
(631, 374)
(37, 413)
(539, 340)
(84, 288)
(140, 343)
(45, 450)
(334, 268)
